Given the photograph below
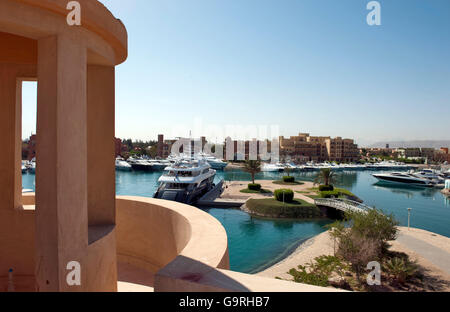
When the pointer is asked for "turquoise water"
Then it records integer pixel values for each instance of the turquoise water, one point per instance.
(255, 244)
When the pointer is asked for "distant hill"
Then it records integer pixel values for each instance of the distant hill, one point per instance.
(425, 143)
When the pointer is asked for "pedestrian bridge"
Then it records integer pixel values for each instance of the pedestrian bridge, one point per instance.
(343, 205)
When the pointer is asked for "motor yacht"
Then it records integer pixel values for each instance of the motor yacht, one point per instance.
(216, 163)
(158, 165)
(430, 174)
(186, 181)
(140, 164)
(272, 168)
(405, 179)
(122, 165)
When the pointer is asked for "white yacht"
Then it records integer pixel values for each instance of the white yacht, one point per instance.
(122, 165)
(186, 181)
(405, 179)
(140, 164)
(158, 165)
(24, 167)
(431, 174)
(272, 168)
(216, 163)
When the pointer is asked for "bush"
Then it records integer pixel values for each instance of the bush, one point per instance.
(319, 271)
(367, 238)
(289, 179)
(284, 195)
(326, 188)
(329, 194)
(401, 270)
(254, 187)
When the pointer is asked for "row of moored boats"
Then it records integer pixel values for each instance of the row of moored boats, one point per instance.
(149, 165)
(386, 165)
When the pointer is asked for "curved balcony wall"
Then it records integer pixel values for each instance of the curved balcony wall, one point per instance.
(152, 233)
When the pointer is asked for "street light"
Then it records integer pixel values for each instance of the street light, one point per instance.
(409, 218)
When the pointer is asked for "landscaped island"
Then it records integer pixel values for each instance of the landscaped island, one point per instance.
(295, 200)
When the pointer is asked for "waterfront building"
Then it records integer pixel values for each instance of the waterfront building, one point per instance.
(442, 155)
(164, 147)
(239, 150)
(312, 148)
(416, 153)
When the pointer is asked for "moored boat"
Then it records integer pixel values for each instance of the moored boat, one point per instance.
(186, 181)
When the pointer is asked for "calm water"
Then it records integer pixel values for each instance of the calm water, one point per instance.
(257, 243)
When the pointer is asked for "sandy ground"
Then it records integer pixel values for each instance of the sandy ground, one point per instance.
(323, 245)
(233, 190)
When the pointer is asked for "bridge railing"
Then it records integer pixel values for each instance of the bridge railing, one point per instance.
(342, 204)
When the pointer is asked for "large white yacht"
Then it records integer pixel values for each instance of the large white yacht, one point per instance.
(405, 179)
(158, 165)
(186, 181)
(272, 168)
(122, 165)
(140, 164)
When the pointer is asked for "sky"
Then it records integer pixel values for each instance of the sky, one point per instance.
(220, 67)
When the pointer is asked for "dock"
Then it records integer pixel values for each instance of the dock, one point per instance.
(212, 199)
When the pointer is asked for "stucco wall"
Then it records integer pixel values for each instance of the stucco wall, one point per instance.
(151, 233)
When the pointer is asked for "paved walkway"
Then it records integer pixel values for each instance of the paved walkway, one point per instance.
(435, 255)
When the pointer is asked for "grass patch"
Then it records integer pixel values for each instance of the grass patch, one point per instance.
(287, 183)
(262, 191)
(274, 209)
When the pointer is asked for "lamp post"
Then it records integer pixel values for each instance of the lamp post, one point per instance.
(409, 218)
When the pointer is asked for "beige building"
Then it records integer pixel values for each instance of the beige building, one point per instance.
(309, 148)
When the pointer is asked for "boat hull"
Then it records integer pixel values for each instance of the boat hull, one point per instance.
(398, 181)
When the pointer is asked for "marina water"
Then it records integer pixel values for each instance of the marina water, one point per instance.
(256, 244)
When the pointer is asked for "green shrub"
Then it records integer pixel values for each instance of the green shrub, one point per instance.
(284, 195)
(310, 278)
(254, 187)
(401, 270)
(329, 194)
(288, 179)
(326, 188)
(319, 271)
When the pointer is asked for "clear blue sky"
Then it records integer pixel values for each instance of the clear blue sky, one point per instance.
(306, 65)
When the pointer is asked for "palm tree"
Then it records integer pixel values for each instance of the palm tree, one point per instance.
(252, 167)
(326, 176)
